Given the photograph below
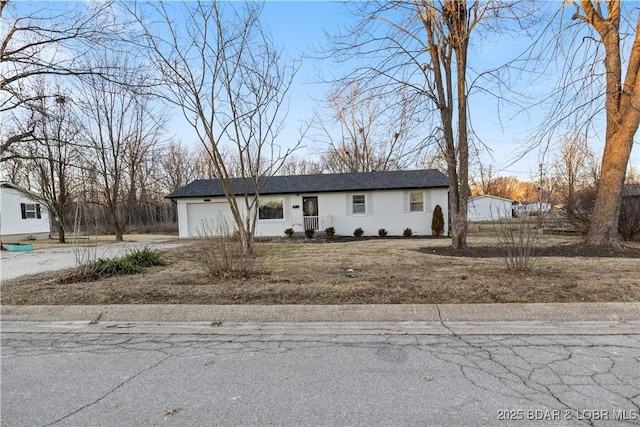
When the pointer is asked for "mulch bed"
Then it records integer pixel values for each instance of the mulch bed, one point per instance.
(570, 250)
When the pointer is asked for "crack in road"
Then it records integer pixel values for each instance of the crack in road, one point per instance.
(114, 389)
(552, 372)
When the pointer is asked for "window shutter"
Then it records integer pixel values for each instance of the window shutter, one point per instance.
(349, 205)
(427, 202)
(23, 209)
(405, 202)
(38, 212)
(369, 206)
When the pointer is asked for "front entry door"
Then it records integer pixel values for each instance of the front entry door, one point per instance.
(310, 213)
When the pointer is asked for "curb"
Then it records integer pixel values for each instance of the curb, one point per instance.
(429, 319)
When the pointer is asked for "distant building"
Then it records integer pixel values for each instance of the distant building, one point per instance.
(22, 215)
(489, 208)
(532, 208)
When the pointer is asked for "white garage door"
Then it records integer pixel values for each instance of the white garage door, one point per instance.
(210, 214)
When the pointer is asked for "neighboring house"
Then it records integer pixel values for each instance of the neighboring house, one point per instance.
(488, 208)
(22, 215)
(533, 208)
(393, 200)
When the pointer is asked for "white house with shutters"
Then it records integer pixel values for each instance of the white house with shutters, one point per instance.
(22, 214)
(393, 200)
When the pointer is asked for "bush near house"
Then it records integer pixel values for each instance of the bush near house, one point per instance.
(329, 231)
(382, 232)
(437, 221)
(358, 232)
(407, 232)
(309, 232)
(288, 232)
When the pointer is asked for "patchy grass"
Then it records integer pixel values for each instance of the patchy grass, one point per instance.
(384, 271)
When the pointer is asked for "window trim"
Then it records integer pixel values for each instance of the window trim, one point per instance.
(31, 211)
(412, 202)
(363, 204)
(271, 199)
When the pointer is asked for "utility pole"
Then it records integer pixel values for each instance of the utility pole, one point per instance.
(540, 196)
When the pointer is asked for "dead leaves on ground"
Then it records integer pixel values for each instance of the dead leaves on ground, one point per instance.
(172, 411)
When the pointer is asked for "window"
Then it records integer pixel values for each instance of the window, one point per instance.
(416, 202)
(271, 209)
(358, 204)
(30, 210)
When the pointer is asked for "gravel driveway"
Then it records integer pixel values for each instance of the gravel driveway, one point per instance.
(16, 264)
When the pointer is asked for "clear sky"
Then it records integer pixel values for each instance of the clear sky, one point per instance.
(300, 26)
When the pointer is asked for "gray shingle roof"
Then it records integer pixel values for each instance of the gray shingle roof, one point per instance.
(322, 183)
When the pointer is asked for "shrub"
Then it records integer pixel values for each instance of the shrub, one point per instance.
(519, 239)
(329, 231)
(382, 232)
(437, 222)
(358, 232)
(407, 232)
(309, 232)
(145, 257)
(223, 255)
(288, 232)
(111, 267)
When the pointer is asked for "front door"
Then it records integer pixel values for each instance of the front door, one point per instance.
(310, 213)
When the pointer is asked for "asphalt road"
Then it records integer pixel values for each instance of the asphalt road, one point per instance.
(374, 380)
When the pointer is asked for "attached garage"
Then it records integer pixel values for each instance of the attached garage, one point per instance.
(201, 213)
(393, 200)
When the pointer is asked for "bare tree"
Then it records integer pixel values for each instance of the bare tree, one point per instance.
(484, 180)
(50, 40)
(364, 134)
(120, 127)
(570, 165)
(622, 106)
(599, 52)
(180, 166)
(433, 159)
(220, 67)
(423, 54)
(54, 154)
(294, 165)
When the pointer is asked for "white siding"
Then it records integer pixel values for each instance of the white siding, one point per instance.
(206, 215)
(11, 221)
(387, 209)
(488, 208)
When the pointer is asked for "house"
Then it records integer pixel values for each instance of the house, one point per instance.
(22, 215)
(488, 208)
(393, 200)
(533, 208)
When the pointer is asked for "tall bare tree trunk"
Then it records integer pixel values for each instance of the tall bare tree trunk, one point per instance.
(623, 118)
(603, 229)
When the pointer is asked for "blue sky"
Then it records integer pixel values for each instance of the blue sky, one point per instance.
(300, 26)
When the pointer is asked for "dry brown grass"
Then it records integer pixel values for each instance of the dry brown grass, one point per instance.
(384, 271)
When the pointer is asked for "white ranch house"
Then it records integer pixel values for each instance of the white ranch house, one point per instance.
(489, 208)
(22, 215)
(393, 200)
